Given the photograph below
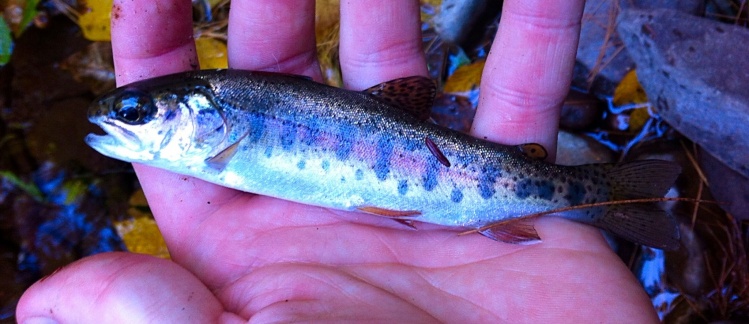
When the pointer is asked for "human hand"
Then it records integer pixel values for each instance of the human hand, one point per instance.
(238, 256)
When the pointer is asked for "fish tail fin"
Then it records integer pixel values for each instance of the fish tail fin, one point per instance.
(642, 223)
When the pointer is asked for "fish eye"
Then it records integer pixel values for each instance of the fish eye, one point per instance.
(134, 107)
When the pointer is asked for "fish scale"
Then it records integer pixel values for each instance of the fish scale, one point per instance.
(288, 137)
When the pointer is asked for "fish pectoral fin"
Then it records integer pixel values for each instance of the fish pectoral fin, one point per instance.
(397, 214)
(516, 231)
(414, 94)
(222, 158)
(533, 151)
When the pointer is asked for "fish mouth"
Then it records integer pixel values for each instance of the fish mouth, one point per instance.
(117, 143)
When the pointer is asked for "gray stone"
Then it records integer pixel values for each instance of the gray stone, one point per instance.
(696, 73)
(573, 149)
(600, 53)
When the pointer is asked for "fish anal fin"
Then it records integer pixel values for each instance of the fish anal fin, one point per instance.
(534, 151)
(516, 231)
(414, 94)
(388, 212)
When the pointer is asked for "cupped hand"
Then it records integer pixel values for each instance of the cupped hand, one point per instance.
(239, 257)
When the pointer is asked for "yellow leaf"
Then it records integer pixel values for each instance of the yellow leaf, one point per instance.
(629, 91)
(211, 53)
(95, 21)
(141, 235)
(465, 78)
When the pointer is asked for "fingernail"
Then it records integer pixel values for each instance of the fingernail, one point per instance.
(39, 320)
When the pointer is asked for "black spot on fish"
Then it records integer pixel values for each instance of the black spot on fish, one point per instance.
(429, 177)
(345, 142)
(456, 196)
(523, 189)
(487, 179)
(325, 165)
(545, 189)
(411, 145)
(382, 164)
(539, 188)
(359, 174)
(256, 126)
(575, 193)
(402, 187)
(301, 165)
(311, 133)
(268, 151)
(288, 136)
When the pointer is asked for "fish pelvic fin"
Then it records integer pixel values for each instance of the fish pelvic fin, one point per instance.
(514, 231)
(641, 223)
(414, 94)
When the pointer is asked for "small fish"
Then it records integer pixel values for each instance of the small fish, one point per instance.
(371, 151)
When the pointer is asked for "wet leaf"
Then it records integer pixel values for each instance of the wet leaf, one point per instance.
(327, 23)
(629, 91)
(141, 235)
(95, 21)
(465, 78)
(28, 187)
(211, 53)
(6, 42)
(29, 12)
(74, 191)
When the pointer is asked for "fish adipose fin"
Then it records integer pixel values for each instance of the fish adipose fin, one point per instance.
(515, 231)
(413, 94)
(642, 223)
(534, 151)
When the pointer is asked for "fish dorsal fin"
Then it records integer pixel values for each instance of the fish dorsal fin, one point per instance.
(413, 94)
(534, 151)
(222, 158)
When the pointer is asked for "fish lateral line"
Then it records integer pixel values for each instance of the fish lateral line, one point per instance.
(584, 206)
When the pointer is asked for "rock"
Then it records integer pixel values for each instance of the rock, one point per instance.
(580, 110)
(573, 149)
(695, 73)
(726, 185)
(599, 52)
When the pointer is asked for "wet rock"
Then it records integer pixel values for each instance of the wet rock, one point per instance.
(453, 111)
(600, 54)
(694, 71)
(573, 149)
(580, 110)
(726, 185)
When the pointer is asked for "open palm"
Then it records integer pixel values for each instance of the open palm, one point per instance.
(238, 256)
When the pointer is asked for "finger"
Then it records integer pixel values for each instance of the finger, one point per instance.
(121, 288)
(152, 38)
(528, 72)
(273, 35)
(380, 41)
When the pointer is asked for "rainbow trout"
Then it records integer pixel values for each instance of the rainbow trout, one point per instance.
(372, 151)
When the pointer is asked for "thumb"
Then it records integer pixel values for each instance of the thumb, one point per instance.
(120, 288)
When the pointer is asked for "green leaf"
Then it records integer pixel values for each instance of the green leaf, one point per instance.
(29, 12)
(6, 42)
(30, 188)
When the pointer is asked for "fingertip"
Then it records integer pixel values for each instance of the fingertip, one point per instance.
(119, 287)
(152, 38)
(380, 41)
(528, 72)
